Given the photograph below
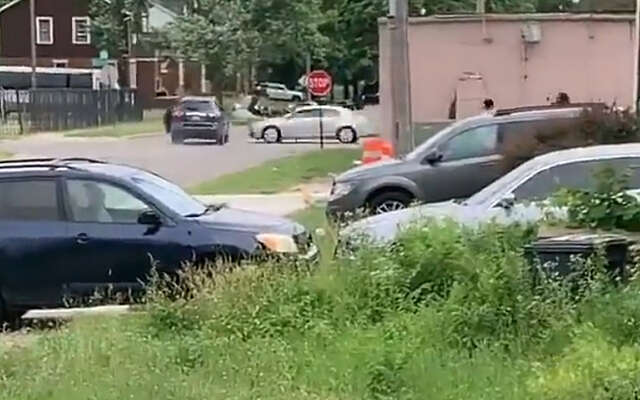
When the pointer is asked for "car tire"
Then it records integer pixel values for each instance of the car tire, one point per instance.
(296, 98)
(389, 201)
(176, 138)
(271, 134)
(347, 135)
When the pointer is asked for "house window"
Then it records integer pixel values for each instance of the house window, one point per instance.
(60, 63)
(81, 30)
(45, 30)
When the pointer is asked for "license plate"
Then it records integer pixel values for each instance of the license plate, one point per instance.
(195, 118)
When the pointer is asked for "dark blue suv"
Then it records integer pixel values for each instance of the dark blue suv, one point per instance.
(69, 227)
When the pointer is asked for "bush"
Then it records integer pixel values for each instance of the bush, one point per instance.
(447, 313)
(596, 126)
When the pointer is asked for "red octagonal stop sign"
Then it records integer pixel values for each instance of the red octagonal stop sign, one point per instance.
(319, 83)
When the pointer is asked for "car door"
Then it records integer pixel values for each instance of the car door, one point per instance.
(469, 161)
(33, 241)
(330, 122)
(112, 249)
(303, 124)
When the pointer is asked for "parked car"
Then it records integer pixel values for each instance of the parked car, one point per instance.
(518, 197)
(199, 118)
(454, 163)
(278, 91)
(304, 123)
(70, 227)
(369, 99)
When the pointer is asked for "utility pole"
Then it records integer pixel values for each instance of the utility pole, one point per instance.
(32, 23)
(636, 61)
(398, 21)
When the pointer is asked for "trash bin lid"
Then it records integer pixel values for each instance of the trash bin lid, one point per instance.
(578, 242)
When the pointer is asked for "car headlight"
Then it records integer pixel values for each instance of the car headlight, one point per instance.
(341, 189)
(283, 244)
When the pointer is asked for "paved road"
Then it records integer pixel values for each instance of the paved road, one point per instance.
(186, 165)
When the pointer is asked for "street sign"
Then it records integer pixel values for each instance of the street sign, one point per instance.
(319, 83)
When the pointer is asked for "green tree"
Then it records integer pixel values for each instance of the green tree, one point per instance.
(112, 21)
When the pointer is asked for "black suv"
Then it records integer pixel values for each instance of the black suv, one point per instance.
(198, 118)
(69, 227)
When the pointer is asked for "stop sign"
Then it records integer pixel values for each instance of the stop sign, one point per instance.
(319, 83)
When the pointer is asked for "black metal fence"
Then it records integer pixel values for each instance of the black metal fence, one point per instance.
(47, 110)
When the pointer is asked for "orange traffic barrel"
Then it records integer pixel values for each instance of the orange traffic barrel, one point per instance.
(376, 149)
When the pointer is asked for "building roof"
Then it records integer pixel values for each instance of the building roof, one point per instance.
(444, 18)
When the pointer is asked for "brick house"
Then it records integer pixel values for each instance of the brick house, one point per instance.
(63, 40)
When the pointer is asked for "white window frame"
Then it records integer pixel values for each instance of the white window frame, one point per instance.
(50, 21)
(60, 61)
(74, 30)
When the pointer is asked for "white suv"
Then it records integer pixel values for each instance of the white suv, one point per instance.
(278, 91)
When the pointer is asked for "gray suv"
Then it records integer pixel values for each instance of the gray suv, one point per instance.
(454, 163)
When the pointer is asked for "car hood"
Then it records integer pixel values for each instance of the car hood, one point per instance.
(379, 168)
(247, 221)
(384, 228)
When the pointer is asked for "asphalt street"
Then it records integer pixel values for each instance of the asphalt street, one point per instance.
(186, 164)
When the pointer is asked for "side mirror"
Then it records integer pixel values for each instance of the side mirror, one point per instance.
(149, 218)
(507, 202)
(433, 157)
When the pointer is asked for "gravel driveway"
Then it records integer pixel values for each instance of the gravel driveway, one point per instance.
(187, 164)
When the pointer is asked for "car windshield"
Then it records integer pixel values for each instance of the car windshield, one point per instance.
(496, 190)
(199, 106)
(171, 195)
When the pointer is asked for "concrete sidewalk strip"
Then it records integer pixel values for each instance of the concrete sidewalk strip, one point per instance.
(281, 204)
(63, 313)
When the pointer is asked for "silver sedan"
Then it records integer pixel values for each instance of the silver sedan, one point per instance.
(310, 122)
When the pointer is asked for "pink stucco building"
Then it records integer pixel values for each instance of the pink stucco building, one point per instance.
(520, 59)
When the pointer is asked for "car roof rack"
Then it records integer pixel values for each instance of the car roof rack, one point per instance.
(549, 107)
(50, 163)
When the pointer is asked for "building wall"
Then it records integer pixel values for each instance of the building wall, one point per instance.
(590, 58)
(159, 17)
(15, 31)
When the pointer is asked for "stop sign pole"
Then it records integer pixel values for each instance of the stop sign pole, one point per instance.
(319, 84)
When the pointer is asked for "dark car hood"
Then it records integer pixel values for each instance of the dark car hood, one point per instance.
(247, 221)
(379, 168)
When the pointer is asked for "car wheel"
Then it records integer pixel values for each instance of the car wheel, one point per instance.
(176, 138)
(347, 135)
(390, 201)
(271, 135)
(296, 98)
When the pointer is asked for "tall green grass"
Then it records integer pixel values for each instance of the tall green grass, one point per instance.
(447, 313)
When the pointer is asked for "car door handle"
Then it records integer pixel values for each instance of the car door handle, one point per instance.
(82, 238)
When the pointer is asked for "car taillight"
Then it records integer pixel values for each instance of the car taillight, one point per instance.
(178, 114)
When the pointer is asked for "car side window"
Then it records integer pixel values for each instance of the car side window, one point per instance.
(330, 114)
(578, 175)
(29, 200)
(305, 114)
(98, 202)
(476, 142)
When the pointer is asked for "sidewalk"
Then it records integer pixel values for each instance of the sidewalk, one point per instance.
(281, 204)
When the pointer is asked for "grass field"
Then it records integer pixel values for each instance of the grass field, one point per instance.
(147, 126)
(4, 155)
(280, 175)
(446, 314)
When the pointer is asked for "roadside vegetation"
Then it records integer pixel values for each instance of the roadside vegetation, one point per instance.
(152, 123)
(282, 174)
(448, 313)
